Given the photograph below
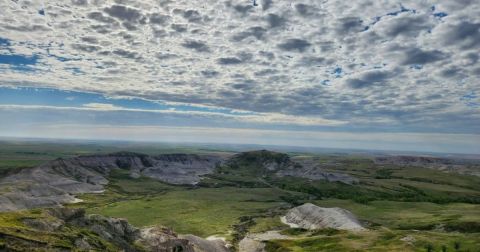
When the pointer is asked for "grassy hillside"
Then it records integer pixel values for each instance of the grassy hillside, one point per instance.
(45, 233)
(203, 212)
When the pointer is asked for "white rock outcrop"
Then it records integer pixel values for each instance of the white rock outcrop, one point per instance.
(310, 216)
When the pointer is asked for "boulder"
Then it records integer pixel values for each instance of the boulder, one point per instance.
(310, 216)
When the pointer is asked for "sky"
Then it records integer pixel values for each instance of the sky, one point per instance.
(377, 74)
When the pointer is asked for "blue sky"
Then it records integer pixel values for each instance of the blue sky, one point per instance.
(400, 75)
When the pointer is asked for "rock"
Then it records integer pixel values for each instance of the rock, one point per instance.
(43, 225)
(115, 230)
(281, 165)
(160, 239)
(56, 182)
(203, 245)
(408, 239)
(67, 214)
(255, 242)
(248, 244)
(82, 244)
(309, 216)
(75, 229)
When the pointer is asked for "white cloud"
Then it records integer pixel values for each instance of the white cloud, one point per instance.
(257, 118)
(275, 59)
(102, 106)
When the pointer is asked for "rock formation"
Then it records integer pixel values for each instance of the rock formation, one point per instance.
(56, 182)
(61, 229)
(310, 216)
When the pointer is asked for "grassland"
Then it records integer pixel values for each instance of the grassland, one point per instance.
(203, 212)
(432, 209)
(377, 240)
(409, 215)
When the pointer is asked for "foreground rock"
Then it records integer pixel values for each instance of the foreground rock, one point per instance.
(206, 245)
(310, 216)
(65, 229)
(256, 242)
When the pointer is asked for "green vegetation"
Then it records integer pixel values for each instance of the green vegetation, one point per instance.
(268, 223)
(378, 240)
(16, 235)
(204, 212)
(409, 215)
(390, 183)
(24, 154)
(405, 208)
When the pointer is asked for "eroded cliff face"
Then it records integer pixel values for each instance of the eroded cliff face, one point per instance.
(56, 182)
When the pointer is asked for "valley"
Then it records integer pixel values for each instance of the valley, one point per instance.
(241, 196)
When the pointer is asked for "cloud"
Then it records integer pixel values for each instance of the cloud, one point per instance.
(367, 79)
(196, 45)
(464, 34)
(256, 32)
(229, 61)
(401, 64)
(299, 45)
(419, 56)
(304, 9)
(405, 24)
(276, 20)
(101, 106)
(123, 13)
(245, 117)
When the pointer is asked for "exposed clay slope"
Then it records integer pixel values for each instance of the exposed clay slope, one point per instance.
(56, 182)
(310, 216)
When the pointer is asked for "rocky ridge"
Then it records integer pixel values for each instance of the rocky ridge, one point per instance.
(58, 182)
(66, 229)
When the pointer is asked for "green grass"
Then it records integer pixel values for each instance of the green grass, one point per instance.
(267, 223)
(204, 212)
(394, 201)
(17, 236)
(386, 182)
(121, 182)
(378, 241)
(408, 215)
(12, 165)
(16, 154)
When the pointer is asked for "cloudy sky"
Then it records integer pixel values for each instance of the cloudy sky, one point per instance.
(378, 74)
